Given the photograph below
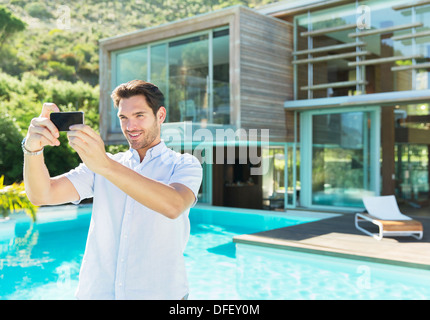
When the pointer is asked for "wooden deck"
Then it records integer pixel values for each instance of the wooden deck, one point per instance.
(337, 236)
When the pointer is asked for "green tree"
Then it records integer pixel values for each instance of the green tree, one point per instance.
(11, 157)
(9, 24)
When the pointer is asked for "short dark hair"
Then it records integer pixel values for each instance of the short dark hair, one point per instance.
(154, 97)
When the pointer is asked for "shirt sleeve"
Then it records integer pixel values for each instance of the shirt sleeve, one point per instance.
(82, 179)
(188, 171)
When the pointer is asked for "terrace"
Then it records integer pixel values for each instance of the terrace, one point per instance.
(337, 236)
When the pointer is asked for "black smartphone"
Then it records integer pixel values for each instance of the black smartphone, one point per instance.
(63, 120)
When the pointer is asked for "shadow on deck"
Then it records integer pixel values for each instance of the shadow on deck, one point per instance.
(338, 237)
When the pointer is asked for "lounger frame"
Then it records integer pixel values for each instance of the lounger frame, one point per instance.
(378, 236)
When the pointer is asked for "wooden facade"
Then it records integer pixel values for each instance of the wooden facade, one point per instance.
(261, 75)
(266, 74)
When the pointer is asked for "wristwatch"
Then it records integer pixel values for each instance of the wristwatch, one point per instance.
(30, 153)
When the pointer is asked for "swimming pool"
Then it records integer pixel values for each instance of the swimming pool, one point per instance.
(42, 261)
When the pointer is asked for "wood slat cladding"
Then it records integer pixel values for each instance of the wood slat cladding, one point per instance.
(266, 74)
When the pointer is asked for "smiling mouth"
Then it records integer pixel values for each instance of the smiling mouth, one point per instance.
(134, 135)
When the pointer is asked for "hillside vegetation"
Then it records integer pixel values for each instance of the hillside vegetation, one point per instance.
(49, 52)
(61, 39)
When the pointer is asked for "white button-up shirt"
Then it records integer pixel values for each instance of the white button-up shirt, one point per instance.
(133, 252)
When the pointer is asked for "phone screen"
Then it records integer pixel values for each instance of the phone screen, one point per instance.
(63, 120)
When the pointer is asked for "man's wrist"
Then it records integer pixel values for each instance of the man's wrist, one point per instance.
(29, 152)
(107, 167)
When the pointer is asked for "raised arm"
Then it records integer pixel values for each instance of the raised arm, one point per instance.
(40, 188)
(169, 200)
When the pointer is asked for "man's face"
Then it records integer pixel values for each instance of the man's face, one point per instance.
(139, 125)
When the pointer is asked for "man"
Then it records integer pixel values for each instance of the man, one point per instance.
(139, 225)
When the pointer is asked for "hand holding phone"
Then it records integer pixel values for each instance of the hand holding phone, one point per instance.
(63, 120)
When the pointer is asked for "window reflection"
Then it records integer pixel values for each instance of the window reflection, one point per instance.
(194, 80)
(340, 158)
(412, 152)
(392, 54)
(274, 179)
(188, 79)
(129, 65)
(221, 78)
(159, 71)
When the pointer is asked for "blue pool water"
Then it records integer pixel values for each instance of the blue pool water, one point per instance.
(42, 261)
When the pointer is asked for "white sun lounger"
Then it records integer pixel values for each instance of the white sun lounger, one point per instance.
(384, 212)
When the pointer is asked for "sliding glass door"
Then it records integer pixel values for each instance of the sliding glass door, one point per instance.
(340, 156)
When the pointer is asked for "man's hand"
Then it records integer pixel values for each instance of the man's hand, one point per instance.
(42, 131)
(40, 188)
(90, 147)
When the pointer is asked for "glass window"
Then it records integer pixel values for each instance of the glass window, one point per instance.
(412, 156)
(293, 175)
(341, 161)
(324, 50)
(412, 174)
(205, 191)
(192, 72)
(129, 65)
(160, 71)
(274, 179)
(422, 43)
(333, 57)
(379, 76)
(188, 79)
(221, 77)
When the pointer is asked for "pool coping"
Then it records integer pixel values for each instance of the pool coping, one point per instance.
(323, 237)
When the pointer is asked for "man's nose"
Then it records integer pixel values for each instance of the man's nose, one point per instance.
(131, 125)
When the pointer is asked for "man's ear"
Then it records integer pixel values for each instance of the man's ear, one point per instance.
(161, 115)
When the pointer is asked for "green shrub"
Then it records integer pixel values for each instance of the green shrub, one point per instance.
(11, 157)
(13, 198)
(38, 10)
(8, 84)
(62, 71)
(22, 107)
(22, 100)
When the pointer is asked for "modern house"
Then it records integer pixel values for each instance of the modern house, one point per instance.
(298, 104)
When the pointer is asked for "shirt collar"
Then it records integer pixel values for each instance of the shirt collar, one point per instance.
(150, 153)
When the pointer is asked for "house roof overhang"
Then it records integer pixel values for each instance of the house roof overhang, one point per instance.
(290, 8)
(374, 99)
